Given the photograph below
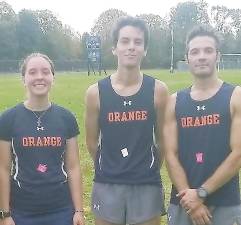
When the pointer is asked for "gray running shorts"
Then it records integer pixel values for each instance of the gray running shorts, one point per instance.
(127, 204)
(229, 215)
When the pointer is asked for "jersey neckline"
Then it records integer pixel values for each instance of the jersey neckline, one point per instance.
(128, 96)
(207, 99)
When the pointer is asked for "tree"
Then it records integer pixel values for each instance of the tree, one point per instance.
(61, 45)
(29, 33)
(105, 23)
(220, 17)
(84, 52)
(236, 19)
(102, 28)
(158, 50)
(183, 18)
(8, 40)
(6, 12)
(237, 43)
(71, 43)
(48, 21)
(40, 30)
(228, 23)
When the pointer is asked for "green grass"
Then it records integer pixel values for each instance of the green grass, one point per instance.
(69, 91)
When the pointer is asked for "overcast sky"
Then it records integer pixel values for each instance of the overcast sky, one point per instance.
(81, 14)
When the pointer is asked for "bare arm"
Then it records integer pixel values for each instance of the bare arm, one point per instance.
(92, 119)
(74, 178)
(201, 214)
(5, 167)
(160, 100)
(175, 169)
(230, 167)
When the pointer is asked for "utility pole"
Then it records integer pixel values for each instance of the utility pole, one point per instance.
(172, 49)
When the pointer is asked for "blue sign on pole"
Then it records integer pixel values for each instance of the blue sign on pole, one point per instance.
(93, 45)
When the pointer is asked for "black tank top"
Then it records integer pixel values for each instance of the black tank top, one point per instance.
(127, 154)
(204, 142)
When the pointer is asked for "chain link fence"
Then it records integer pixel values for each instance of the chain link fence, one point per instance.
(226, 62)
(12, 66)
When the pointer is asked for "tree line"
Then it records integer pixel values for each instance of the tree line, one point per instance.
(41, 31)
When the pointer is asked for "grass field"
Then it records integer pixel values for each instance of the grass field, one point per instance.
(69, 91)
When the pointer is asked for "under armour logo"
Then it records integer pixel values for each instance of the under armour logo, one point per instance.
(97, 207)
(169, 217)
(127, 103)
(40, 128)
(203, 107)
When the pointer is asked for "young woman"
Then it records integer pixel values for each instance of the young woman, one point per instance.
(40, 175)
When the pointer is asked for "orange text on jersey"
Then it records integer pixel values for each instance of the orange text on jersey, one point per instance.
(199, 121)
(41, 141)
(127, 116)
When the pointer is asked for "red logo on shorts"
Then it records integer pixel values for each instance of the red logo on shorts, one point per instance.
(199, 157)
(42, 168)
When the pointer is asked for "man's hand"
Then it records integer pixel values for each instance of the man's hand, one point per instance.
(201, 215)
(189, 199)
(78, 218)
(7, 221)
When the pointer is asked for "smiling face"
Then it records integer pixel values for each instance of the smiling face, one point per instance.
(38, 77)
(130, 47)
(202, 56)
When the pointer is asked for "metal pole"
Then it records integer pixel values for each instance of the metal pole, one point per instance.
(172, 50)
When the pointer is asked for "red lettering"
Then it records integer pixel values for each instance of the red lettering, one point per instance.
(197, 122)
(110, 117)
(209, 120)
(127, 116)
(131, 115)
(53, 141)
(144, 115)
(117, 116)
(46, 141)
(59, 141)
(138, 115)
(31, 141)
(203, 120)
(216, 119)
(39, 142)
(184, 122)
(25, 142)
(123, 117)
(189, 121)
(212, 119)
